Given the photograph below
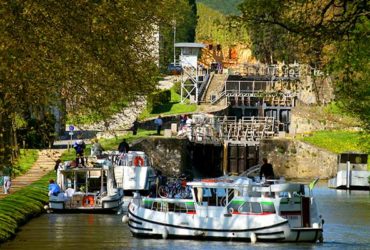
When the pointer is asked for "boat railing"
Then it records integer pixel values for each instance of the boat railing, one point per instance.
(169, 205)
(251, 171)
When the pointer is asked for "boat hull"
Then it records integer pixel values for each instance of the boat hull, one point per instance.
(110, 205)
(270, 227)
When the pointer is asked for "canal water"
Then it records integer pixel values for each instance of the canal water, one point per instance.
(346, 214)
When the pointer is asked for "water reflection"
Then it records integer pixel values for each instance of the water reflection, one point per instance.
(346, 214)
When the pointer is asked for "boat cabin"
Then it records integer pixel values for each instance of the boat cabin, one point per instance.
(87, 188)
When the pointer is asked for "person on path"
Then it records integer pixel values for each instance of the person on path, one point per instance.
(96, 149)
(135, 126)
(54, 188)
(7, 172)
(158, 122)
(123, 147)
(266, 170)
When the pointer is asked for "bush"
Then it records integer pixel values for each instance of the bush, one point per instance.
(158, 98)
(177, 87)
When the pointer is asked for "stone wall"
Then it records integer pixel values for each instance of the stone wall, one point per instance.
(296, 159)
(167, 154)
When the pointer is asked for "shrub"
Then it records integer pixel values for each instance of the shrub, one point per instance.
(158, 98)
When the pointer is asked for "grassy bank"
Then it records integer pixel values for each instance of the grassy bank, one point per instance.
(25, 161)
(172, 108)
(338, 141)
(17, 208)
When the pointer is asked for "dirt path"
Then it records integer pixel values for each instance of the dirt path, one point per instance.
(44, 164)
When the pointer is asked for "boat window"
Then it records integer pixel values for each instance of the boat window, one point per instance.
(245, 208)
(230, 194)
(256, 207)
(268, 207)
(234, 206)
(156, 206)
(198, 194)
(179, 207)
(164, 207)
(171, 206)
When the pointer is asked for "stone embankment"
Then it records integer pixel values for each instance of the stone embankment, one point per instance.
(118, 122)
(294, 159)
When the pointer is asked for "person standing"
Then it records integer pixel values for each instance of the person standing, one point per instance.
(57, 165)
(7, 172)
(80, 146)
(266, 170)
(135, 126)
(158, 122)
(96, 149)
(123, 147)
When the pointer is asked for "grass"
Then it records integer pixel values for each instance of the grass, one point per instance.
(171, 108)
(25, 161)
(338, 141)
(19, 207)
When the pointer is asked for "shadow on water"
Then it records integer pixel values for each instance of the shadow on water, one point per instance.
(346, 214)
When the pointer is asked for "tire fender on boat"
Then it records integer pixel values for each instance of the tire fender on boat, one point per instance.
(138, 161)
(253, 237)
(165, 233)
(125, 219)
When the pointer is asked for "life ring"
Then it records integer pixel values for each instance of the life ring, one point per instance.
(138, 161)
(209, 180)
(88, 201)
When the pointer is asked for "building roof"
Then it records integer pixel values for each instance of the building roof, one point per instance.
(189, 45)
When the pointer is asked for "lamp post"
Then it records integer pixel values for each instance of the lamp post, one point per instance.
(174, 41)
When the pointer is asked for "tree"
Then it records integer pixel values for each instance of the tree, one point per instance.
(179, 14)
(85, 53)
(330, 34)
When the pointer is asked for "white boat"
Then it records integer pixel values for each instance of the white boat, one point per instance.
(230, 208)
(87, 189)
(133, 173)
(352, 172)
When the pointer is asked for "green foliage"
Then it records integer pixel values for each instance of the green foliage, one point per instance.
(25, 161)
(181, 14)
(334, 108)
(227, 7)
(170, 108)
(39, 132)
(337, 141)
(215, 27)
(331, 35)
(83, 55)
(176, 91)
(158, 98)
(350, 65)
(93, 116)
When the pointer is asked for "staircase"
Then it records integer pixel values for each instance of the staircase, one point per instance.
(215, 88)
(44, 164)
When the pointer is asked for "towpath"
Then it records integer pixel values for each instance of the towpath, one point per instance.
(44, 164)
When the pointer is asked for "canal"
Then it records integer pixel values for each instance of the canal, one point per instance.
(346, 214)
